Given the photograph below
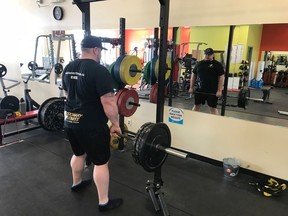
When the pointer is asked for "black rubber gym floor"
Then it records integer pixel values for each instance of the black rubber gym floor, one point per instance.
(35, 179)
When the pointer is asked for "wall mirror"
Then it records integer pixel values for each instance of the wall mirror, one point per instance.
(250, 60)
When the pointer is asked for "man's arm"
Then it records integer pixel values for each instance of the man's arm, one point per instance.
(192, 82)
(111, 110)
(220, 85)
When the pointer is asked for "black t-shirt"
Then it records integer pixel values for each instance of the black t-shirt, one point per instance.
(208, 73)
(86, 81)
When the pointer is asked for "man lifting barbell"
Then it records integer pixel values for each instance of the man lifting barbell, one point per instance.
(208, 75)
(90, 103)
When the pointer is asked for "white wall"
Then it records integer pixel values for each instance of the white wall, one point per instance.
(259, 147)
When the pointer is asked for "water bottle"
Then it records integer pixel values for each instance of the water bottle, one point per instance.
(22, 106)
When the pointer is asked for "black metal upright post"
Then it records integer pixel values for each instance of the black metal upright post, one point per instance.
(174, 35)
(154, 188)
(156, 42)
(224, 98)
(122, 35)
(122, 52)
(85, 9)
(164, 20)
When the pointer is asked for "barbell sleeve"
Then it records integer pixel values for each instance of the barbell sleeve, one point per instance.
(173, 152)
(135, 70)
(169, 151)
(205, 93)
(134, 104)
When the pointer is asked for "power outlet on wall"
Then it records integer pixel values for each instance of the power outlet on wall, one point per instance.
(129, 122)
(39, 1)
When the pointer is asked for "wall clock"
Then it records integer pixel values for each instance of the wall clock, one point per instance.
(58, 13)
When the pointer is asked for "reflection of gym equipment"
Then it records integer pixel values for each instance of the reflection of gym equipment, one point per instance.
(269, 75)
(265, 95)
(244, 74)
(188, 62)
(8, 101)
(283, 112)
(58, 67)
(30, 103)
(41, 73)
(197, 48)
(281, 79)
(8, 106)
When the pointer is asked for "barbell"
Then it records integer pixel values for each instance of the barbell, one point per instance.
(151, 145)
(242, 98)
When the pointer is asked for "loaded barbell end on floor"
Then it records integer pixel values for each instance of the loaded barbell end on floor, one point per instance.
(169, 151)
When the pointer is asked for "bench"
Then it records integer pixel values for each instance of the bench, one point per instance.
(13, 119)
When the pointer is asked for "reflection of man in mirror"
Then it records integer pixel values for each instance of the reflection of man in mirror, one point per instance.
(208, 75)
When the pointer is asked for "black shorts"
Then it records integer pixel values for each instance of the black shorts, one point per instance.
(201, 98)
(93, 141)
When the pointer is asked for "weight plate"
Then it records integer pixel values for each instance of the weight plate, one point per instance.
(3, 70)
(153, 93)
(124, 107)
(117, 69)
(242, 98)
(32, 65)
(136, 144)
(147, 72)
(130, 70)
(118, 94)
(168, 68)
(146, 150)
(111, 71)
(41, 108)
(175, 88)
(58, 68)
(152, 70)
(51, 114)
(10, 102)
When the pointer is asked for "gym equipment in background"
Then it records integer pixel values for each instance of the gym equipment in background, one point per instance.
(8, 101)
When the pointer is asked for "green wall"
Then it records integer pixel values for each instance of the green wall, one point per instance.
(217, 38)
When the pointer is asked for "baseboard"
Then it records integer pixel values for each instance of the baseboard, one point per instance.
(214, 162)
